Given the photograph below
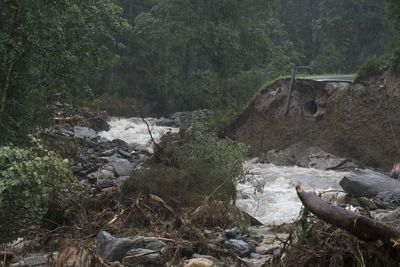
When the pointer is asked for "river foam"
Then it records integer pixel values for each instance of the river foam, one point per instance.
(134, 131)
(278, 203)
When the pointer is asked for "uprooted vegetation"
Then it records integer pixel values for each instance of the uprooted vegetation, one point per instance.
(189, 186)
(200, 163)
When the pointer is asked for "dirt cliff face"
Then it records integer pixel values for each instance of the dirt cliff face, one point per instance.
(354, 120)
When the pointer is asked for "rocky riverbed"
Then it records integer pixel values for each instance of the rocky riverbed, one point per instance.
(107, 153)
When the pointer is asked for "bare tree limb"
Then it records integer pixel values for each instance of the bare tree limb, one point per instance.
(364, 228)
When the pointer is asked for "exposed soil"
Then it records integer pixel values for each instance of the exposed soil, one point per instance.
(359, 121)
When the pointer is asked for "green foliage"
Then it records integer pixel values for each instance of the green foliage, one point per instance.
(36, 189)
(372, 67)
(51, 47)
(348, 31)
(27, 177)
(334, 35)
(204, 165)
(186, 55)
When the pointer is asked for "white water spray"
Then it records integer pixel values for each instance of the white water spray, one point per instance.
(278, 203)
(134, 131)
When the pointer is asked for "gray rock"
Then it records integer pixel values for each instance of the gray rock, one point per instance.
(199, 262)
(62, 132)
(368, 183)
(255, 256)
(155, 245)
(389, 198)
(85, 133)
(279, 158)
(115, 249)
(107, 153)
(233, 233)
(151, 258)
(102, 174)
(239, 247)
(123, 167)
(77, 168)
(106, 183)
(124, 153)
(326, 161)
(86, 182)
(36, 260)
(208, 257)
(121, 180)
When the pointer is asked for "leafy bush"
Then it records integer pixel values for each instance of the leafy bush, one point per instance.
(372, 67)
(29, 180)
(204, 165)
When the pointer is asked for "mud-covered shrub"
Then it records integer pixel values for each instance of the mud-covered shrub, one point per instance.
(201, 165)
(29, 180)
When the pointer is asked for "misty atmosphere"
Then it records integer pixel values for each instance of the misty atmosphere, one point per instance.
(199, 133)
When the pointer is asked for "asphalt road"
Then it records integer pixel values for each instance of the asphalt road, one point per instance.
(349, 78)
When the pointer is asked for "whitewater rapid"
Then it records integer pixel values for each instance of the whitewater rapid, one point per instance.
(276, 204)
(134, 131)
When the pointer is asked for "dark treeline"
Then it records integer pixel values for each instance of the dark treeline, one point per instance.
(174, 55)
(184, 55)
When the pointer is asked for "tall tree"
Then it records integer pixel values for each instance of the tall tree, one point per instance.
(48, 47)
(195, 54)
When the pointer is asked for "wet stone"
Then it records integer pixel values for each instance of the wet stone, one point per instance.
(200, 262)
(85, 133)
(149, 258)
(107, 153)
(155, 245)
(124, 153)
(115, 249)
(233, 233)
(101, 175)
(123, 167)
(239, 247)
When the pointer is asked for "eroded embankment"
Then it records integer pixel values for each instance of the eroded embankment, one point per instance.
(359, 121)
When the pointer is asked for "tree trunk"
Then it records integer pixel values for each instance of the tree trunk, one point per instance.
(362, 227)
(4, 92)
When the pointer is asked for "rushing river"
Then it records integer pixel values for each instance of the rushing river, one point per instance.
(134, 131)
(277, 204)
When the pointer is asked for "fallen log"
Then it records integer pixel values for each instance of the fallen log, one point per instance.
(362, 227)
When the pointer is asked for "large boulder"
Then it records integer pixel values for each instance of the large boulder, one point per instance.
(85, 133)
(368, 183)
(123, 167)
(115, 249)
(239, 247)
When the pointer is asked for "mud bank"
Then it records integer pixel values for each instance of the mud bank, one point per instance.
(358, 120)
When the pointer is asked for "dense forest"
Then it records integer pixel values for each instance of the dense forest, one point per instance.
(172, 55)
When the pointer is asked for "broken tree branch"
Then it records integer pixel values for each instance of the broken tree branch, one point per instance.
(364, 228)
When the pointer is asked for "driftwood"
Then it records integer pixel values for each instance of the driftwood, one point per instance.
(362, 227)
